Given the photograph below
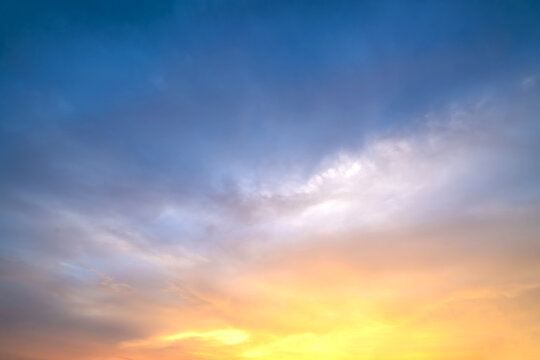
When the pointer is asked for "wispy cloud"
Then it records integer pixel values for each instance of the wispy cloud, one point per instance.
(275, 180)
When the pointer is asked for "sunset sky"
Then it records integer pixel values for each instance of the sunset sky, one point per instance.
(269, 180)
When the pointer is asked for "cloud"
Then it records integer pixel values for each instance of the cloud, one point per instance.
(265, 181)
(225, 336)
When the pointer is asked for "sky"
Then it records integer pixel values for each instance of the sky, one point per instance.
(269, 180)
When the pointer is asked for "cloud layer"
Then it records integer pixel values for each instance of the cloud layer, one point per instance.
(270, 181)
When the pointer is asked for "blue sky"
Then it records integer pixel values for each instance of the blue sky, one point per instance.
(156, 86)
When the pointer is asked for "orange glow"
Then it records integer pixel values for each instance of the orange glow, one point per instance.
(330, 308)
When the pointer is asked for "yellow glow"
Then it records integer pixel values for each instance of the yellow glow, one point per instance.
(224, 336)
(228, 337)
(331, 305)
